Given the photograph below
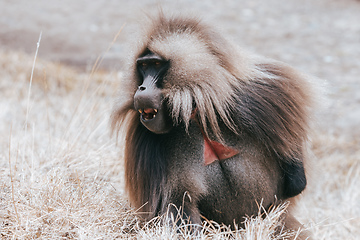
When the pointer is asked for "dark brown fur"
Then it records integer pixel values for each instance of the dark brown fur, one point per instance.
(255, 105)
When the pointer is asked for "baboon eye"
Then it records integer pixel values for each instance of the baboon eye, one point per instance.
(158, 64)
(143, 66)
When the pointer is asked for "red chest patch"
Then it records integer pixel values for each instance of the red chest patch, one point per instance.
(216, 151)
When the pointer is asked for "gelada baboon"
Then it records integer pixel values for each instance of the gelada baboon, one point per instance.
(210, 128)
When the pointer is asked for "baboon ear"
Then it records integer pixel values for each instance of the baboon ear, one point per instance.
(294, 179)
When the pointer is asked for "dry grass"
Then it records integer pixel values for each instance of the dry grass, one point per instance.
(61, 177)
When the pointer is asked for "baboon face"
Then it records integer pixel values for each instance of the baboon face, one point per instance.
(149, 98)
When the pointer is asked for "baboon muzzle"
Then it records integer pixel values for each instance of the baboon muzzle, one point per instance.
(148, 101)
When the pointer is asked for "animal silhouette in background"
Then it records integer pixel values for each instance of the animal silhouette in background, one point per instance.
(210, 128)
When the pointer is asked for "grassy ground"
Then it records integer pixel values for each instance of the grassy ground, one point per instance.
(61, 174)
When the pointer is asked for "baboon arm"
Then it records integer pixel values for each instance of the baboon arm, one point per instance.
(184, 213)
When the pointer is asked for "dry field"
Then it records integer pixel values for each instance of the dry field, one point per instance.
(61, 172)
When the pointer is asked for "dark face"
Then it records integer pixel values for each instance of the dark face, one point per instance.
(148, 99)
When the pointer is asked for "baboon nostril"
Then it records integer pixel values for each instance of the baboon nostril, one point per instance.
(142, 88)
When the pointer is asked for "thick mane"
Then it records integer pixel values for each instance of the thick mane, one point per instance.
(241, 90)
(262, 94)
(275, 109)
(145, 167)
(190, 83)
(163, 25)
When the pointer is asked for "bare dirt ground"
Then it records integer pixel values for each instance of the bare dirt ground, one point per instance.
(321, 38)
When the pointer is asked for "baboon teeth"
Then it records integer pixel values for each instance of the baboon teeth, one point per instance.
(148, 113)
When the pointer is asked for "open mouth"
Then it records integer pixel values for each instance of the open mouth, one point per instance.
(148, 113)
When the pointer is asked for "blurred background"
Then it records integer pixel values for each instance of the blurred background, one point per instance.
(321, 37)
